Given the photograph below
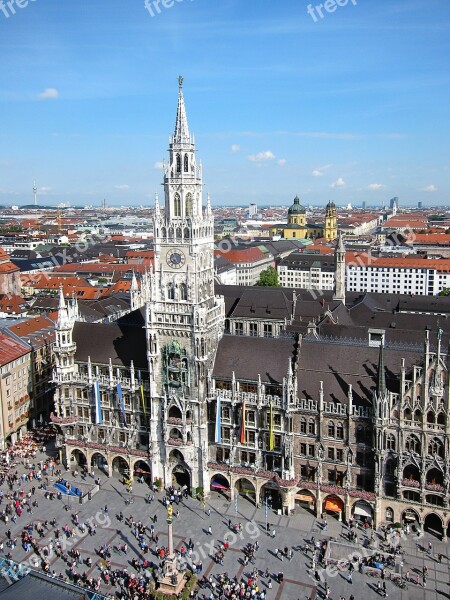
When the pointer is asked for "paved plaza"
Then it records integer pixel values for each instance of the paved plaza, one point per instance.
(193, 522)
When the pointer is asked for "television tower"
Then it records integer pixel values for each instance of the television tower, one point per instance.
(35, 194)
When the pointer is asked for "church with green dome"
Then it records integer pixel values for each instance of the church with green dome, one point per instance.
(298, 228)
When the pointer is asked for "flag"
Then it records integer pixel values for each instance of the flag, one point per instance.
(98, 407)
(218, 437)
(271, 435)
(141, 387)
(121, 405)
(242, 439)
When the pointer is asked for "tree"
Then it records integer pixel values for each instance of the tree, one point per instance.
(445, 292)
(268, 278)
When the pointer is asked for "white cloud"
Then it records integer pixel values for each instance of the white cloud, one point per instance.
(48, 94)
(262, 156)
(158, 165)
(429, 188)
(123, 186)
(339, 183)
(375, 186)
(319, 172)
(282, 162)
(235, 148)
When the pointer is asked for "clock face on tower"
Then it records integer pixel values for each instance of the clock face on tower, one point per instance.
(175, 259)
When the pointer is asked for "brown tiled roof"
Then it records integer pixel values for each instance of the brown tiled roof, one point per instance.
(11, 349)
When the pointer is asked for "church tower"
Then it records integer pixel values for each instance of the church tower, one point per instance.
(184, 319)
(330, 228)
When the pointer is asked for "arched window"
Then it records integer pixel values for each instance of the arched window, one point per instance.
(340, 431)
(430, 417)
(177, 205)
(186, 163)
(312, 427)
(359, 434)
(178, 163)
(303, 425)
(441, 419)
(331, 429)
(183, 291)
(436, 447)
(189, 205)
(171, 291)
(417, 416)
(413, 444)
(390, 469)
(407, 414)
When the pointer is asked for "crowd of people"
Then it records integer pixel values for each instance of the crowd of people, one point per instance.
(27, 475)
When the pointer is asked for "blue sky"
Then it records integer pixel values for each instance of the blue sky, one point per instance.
(353, 107)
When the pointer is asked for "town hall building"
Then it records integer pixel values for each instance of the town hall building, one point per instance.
(337, 402)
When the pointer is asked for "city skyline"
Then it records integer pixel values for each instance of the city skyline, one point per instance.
(348, 107)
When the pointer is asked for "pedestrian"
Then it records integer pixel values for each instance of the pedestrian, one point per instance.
(273, 533)
(384, 590)
(440, 558)
(350, 577)
(430, 548)
(210, 530)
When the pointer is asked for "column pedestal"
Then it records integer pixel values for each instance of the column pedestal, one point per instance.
(173, 581)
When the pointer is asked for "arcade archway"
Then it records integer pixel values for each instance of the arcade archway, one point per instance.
(244, 487)
(270, 493)
(433, 525)
(98, 461)
(333, 505)
(141, 469)
(181, 476)
(306, 499)
(120, 465)
(219, 483)
(78, 457)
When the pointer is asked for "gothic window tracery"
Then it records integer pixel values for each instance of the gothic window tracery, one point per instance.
(189, 205)
(177, 205)
(413, 444)
(435, 447)
(178, 163)
(186, 163)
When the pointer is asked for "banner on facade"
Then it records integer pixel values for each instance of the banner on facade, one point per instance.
(271, 435)
(121, 404)
(141, 387)
(242, 438)
(98, 406)
(218, 433)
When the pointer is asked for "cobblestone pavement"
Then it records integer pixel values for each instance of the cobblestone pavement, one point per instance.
(193, 522)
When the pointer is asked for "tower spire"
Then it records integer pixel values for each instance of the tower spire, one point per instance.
(381, 381)
(181, 134)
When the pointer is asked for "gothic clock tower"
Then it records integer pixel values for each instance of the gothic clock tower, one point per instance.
(184, 320)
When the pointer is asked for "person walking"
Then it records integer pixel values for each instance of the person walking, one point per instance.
(210, 530)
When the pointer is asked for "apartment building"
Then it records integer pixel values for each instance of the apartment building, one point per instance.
(15, 384)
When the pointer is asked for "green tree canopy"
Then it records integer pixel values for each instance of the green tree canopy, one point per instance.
(268, 278)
